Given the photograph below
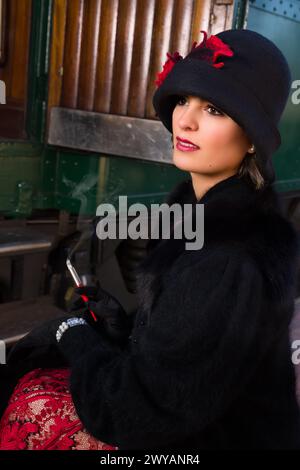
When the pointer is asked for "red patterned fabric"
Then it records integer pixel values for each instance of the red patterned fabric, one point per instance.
(41, 416)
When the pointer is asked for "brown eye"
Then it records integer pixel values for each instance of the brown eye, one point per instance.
(215, 111)
(180, 100)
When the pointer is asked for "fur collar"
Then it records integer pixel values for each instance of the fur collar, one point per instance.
(234, 213)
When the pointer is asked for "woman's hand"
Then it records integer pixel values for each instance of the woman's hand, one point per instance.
(112, 319)
(38, 348)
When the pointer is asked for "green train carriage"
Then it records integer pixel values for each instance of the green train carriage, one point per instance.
(78, 129)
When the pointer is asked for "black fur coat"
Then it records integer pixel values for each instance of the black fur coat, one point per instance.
(208, 364)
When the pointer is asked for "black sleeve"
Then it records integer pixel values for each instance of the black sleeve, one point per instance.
(186, 367)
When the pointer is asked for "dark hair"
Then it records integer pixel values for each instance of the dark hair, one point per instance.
(250, 169)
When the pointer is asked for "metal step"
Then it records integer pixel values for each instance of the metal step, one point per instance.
(22, 240)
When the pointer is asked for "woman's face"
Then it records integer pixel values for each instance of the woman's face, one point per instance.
(222, 143)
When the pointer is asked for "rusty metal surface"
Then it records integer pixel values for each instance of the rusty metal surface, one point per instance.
(144, 139)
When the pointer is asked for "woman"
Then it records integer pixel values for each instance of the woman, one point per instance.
(208, 362)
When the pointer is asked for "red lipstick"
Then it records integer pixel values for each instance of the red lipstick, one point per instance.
(186, 145)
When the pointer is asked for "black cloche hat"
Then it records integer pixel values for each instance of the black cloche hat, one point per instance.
(242, 73)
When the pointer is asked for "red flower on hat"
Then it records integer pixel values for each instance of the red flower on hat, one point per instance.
(212, 48)
(208, 50)
(167, 67)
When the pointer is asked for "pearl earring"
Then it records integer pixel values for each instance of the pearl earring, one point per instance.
(252, 149)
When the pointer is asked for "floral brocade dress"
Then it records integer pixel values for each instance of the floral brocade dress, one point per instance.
(41, 416)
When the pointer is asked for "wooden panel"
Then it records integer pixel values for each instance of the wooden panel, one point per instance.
(106, 52)
(123, 56)
(59, 17)
(201, 19)
(111, 50)
(221, 15)
(89, 54)
(160, 45)
(73, 42)
(14, 70)
(141, 58)
(181, 26)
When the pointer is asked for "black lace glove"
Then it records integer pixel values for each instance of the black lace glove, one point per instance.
(112, 320)
(38, 348)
